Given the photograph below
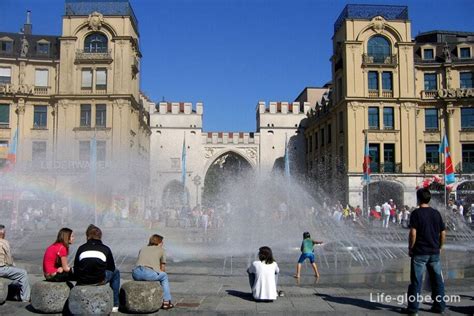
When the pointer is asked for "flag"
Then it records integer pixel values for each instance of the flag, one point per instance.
(366, 164)
(11, 155)
(287, 158)
(448, 168)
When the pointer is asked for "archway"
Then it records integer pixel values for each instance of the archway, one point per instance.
(175, 195)
(227, 169)
(382, 191)
(465, 192)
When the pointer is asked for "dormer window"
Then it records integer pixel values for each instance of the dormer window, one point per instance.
(95, 43)
(428, 54)
(6, 46)
(42, 48)
(464, 52)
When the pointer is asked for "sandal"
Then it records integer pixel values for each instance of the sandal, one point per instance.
(167, 305)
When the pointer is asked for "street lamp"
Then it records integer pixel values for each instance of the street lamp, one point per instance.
(197, 183)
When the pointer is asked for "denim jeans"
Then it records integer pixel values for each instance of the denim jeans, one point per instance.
(20, 277)
(141, 273)
(114, 279)
(433, 266)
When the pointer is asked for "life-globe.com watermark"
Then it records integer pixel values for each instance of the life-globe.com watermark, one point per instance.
(404, 298)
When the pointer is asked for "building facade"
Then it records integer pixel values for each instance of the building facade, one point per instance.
(71, 103)
(404, 95)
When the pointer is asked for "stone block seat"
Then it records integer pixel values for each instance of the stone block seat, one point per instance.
(49, 297)
(4, 289)
(140, 296)
(91, 300)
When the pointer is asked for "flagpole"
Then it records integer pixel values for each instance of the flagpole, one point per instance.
(444, 174)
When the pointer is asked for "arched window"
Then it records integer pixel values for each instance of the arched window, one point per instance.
(95, 43)
(378, 48)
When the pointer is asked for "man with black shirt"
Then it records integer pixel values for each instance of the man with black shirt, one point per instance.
(94, 264)
(426, 238)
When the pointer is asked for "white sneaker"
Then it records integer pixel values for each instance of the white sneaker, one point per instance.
(115, 309)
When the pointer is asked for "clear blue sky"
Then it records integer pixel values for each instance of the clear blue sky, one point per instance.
(229, 54)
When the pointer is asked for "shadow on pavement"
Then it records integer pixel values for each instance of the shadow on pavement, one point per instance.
(358, 302)
(243, 295)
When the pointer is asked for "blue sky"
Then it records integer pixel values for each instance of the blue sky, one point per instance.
(230, 54)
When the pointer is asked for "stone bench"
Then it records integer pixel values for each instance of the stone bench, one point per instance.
(49, 297)
(91, 300)
(4, 289)
(141, 296)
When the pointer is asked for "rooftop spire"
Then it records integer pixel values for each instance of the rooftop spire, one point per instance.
(28, 27)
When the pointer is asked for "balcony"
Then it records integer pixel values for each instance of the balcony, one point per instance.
(92, 57)
(429, 94)
(373, 93)
(467, 167)
(432, 168)
(387, 94)
(385, 167)
(98, 90)
(41, 90)
(379, 60)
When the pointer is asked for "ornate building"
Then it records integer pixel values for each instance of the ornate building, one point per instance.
(74, 102)
(404, 95)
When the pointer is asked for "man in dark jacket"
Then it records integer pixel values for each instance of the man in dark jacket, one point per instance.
(94, 264)
(426, 238)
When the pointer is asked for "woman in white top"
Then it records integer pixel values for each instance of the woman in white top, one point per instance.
(263, 276)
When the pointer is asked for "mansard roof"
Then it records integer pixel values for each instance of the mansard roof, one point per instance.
(442, 41)
(33, 40)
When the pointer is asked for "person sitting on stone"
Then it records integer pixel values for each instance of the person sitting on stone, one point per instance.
(151, 266)
(8, 269)
(55, 265)
(94, 264)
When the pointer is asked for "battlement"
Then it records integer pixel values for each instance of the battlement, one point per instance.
(283, 107)
(179, 108)
(230, 138)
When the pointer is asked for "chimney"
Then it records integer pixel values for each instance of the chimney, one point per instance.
(28, 27)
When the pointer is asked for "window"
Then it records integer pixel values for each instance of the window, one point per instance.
(5, 75)
(84, 150)
(40, 118)
(85, 115)
(467, 118)
(329, 133)
(432, 154)
(430, 82)
(4, 115)
(41, 77)
(466, 80)
(387, 81)
(95, 43)
(6, 46)
(468, 157)
(464, 52)
(101, 150)
(373, 118)
(101, 79)
(373, 80)
(389, 158)
(388, 119)
(38, 151)
(339, 88)
(86, 78)
(42, 48)
(428, 54)
(100, 115)
(378, 48)
(374, 154)
(431, 119)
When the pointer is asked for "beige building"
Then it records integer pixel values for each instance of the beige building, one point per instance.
(404, 94)
(75, 101)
